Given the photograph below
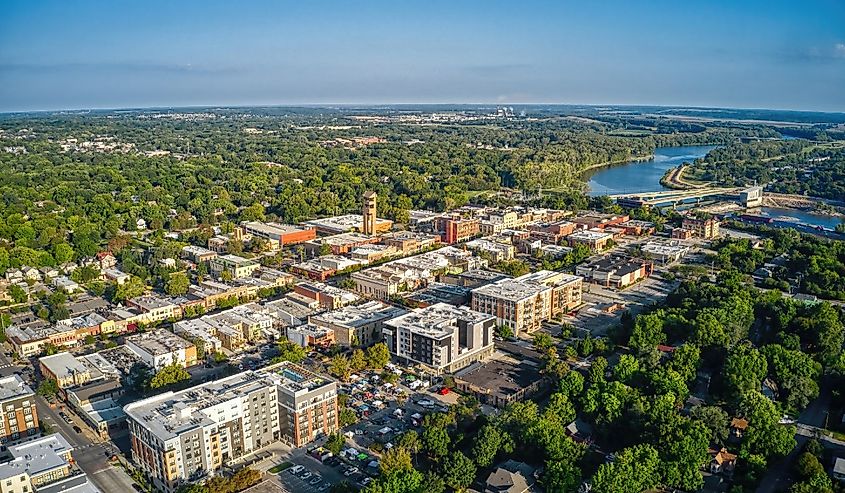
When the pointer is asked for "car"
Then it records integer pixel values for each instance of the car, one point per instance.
(305, 475)
(296, 469)
(324, 487)
(366, 481)
(350, 471)
(315, 480)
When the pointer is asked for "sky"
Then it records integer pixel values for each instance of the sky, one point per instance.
(117, 54)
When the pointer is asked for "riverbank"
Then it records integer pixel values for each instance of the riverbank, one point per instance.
(608, 164)
(674, 179)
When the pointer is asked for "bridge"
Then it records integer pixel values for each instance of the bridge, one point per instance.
(667, 198)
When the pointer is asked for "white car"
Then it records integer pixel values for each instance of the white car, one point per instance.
(296, 469)
(350, 471)
(305, 475)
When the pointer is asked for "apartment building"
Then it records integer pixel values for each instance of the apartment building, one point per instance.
(442, 337)
(160, 348)
(358, 325)
(454, 229)
(155, 308)
(180, 437)
(703, 228)
(237, 267)
(496, 251)
(310, 335)
(523, 303)
(187, 435)
(20, 418)
(197, 253)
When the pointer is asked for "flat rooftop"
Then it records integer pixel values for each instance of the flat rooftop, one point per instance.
(438, 320)
(272, 229)
(36, 457)
(63, 365)
(502, 375)
(13, 387)
(158, 342)
(359, 315)
(589, 235)
(346, 222)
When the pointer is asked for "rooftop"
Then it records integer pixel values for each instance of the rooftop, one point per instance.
(589, 235)
(36, 457)
(63, 365)
(13, 387)
(438, 320)
(358, 315)
(158, 342)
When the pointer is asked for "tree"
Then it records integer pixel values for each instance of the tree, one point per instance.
(290, 351)
(378, 356)
(169, 375)
(627, 367)
(714, 419)
(48, 388)
(346, 417)
(635, 469)
(394, 461)
(745, 368)
(488, 442)
(561, 476)
(543, 341)
(504, 331)
(17, 293)
(458, 471)
(648, 331)
(132, 288)
(339, 367)
(335, 443)
(358, 361)
(435, 440)
(808, 466)
(177, 284)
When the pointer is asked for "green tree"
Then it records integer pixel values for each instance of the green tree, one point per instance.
(169, 375)
(335, 443)
(358, 361)
(458, 471)
(436, 440)
(488, 442)
(290, 351)
(395, 460)
(48, 388)
(378, 355)
(177, 284)
(635, 469)
(339, 367)
(745, 368)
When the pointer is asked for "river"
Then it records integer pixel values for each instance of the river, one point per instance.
(642, 176)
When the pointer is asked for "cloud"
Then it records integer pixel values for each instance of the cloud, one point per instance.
(839, 50)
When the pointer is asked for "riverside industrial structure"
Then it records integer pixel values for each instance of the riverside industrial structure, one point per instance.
(431, 294)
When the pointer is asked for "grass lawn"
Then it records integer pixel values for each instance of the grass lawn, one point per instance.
(279, 468)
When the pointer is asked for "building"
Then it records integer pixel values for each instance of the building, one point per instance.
(635, 227)
(280, 235)
(197, 253)
(310, 335)
(160, 348)
(237, 267)
(595, 240)
(65, 369)
(155, 308)
(35, 464)
(20, 418)
(839, 469)
(338, 244)
(368, 212)
(617, 272)
(496, 251)
(703, 228)
(592, 219)
(185, 436)
(681, 234)
(441, 337)
(473, 278)
(324, 267)
(751, 197)
(407, 242)
(502, 380)
(664, 252)
(525, 302)
(329, 297)
(347, 223)
(454, 228)
(358, 325)
(511, 477)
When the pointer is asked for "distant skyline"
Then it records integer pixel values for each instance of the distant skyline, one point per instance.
(83, 54)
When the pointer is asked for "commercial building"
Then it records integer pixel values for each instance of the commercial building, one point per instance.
(703, 228)
(184, 436)
(664, 252)
(33, 465)
(454, 228)
(635, 227)
(593, 219)
(329, 297)
(408, 242)
(280, 235)
(617, 272)
(155, 308)
(473, 278)
(20, 418)
(358, 325)
(338, 244)
(441, 337)
(160, 348)
(751, 197)
(523, 303)
(65, 369)
(323, 267)
(346, 223)
(501, 380)
(595, 240)
(237, 267)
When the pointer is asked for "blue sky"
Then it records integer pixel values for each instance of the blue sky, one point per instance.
(113, 54)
